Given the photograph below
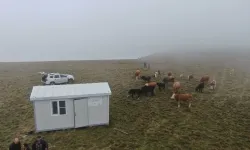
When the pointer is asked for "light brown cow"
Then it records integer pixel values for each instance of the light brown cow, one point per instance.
(151, 84)
(182, 97)
(190, 77)
(137, 74)
(176, 86)
(204, 78)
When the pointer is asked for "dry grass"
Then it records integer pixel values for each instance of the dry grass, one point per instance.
(216, 120)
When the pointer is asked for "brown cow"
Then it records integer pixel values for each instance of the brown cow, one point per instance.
(183, 97)
(190, 77)
(204, 78)
(151, 84)
(169, 73)
(176, 86)
(137, 74)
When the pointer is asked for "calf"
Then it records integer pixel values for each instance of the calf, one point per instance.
(161, 85)
(146, 78)
(169, 73)
(212, 85)
(156, 74)
(133, 92)
(181, 75)
(190, 77)
(182, 97)
(137, 74)
(148, 89)
(200, 87)
(176, 86)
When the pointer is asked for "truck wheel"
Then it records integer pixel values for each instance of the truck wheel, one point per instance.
(52, 83)
(70, 81)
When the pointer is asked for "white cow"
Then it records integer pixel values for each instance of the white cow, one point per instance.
(212, 85)
(156, 74)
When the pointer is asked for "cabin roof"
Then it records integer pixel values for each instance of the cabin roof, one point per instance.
(69, 91)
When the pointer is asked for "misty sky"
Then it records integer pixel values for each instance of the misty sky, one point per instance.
(102, 29)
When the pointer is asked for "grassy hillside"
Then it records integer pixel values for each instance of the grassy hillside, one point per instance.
(216, 120)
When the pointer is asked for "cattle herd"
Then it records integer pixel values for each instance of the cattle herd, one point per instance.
(150, 85)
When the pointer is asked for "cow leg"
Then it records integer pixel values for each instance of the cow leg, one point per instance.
(138, 97)
(153, 93)
(128, 95)
(132, 95)
(166, 85)
(189, 105)
(178, 104)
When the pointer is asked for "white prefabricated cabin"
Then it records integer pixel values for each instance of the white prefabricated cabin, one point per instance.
(70, 106)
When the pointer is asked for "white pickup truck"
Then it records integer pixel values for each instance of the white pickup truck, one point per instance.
(56, 78)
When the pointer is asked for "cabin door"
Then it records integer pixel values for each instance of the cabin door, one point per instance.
(97, 110)
(81, 112)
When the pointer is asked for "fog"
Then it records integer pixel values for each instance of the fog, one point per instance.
(112, 29)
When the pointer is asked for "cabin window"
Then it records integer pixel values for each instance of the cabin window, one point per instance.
(54, 108)
(58, 107)
(56, 76)
(62, 107)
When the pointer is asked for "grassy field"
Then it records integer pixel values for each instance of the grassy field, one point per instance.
(216, 120)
